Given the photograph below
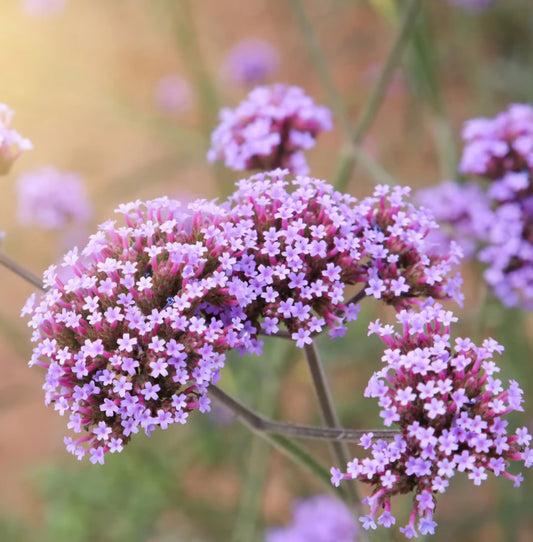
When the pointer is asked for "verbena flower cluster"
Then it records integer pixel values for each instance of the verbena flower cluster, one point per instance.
(271, 128)
(313, 241)
(251, 62)
(133, 329)
(496, 223)
(12, 144)
(43, 7)
(472, 5)
(173, 94)
(52, 199)
(317, 519)
(463, 211)
(450, 408)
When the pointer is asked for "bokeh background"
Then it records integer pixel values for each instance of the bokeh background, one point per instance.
(83, 84)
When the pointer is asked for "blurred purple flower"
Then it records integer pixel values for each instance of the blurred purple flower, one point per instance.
(173, 95)
(322, 518)
(450, 409)
(472, 5)
(52, 199)
(12, 144)
(251, 62)
(463, 212)
(38, 8)
(271, 128)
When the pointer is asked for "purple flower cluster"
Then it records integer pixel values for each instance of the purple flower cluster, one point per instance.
(472, 5)
(497, 223)
(134, 328)
(317, 519)
(312, 242)
(52, 199)
(251, 62)
(271, 128)
(173, 94)
(450, 408)
(43, 7)
(12, 144)
(463, 212)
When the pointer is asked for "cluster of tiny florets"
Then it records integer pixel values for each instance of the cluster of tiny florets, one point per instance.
(496, 223)
(322, 518)
(463, 212)
(251, 62)
(12, 144)
(52, 199)
(450, 408)
(133, 329)
(271, 128)
(312, 242)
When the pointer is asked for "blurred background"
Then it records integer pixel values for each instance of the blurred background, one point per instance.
(125, 94)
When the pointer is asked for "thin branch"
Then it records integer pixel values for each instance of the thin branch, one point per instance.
(21, 271)
(259, 423)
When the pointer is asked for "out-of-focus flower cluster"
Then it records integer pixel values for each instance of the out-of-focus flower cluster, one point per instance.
(43, 7)
(472, 5)
(498, 222)
(52, 199)
(271, 128)
(133, 329)
(173, 94)
(450, 408)
(251, 62)
(12, 144)
(317, 519)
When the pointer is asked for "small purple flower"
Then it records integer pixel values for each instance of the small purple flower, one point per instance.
(317, 519)
(472, 5)
(271, 128)
(251, 62)
(443, 428)
(12, 144)
(52, 199)
(173, 95)
(43, 7)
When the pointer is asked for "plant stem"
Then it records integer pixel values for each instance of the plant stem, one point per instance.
(339, 450)
(353, 151)
(259, 424)
(21, 271)
(378, 93)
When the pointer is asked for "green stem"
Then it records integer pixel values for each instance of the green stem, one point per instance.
(377, 95)
(339, 450)
(21, 271)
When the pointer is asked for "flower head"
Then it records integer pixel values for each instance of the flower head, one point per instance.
(463, 212)
(311, 242)
(43, 7)
(317, 519)
(52, 199)
(271, 128)
(12, 144)
(450, 409)
(133, 329)
(251, 62)
(173, 94)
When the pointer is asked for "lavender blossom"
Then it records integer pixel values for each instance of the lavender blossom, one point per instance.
(450, 408)
(133, 329)
(312, 242)
(12, 144)
(251, 62)
(271, 128)
(317, 519)
(52, 199)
